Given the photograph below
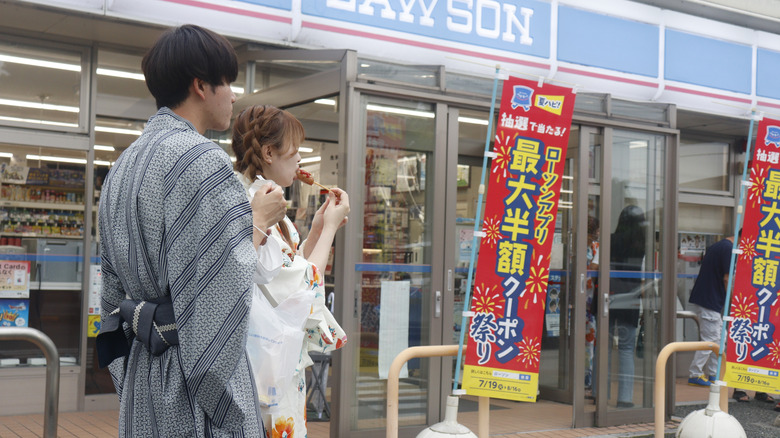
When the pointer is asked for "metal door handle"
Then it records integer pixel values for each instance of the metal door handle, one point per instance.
(437, 305)
(450, 280)
(582, 283)
(606, 304)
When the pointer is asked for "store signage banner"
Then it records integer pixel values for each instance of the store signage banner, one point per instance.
(511, 281)
(753, 345)
(14, 279)
(514, 26)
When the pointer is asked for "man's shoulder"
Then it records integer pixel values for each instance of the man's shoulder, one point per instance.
(175, 140)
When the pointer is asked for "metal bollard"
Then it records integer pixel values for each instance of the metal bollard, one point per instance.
(393, 384)
(660, 376)
(51, 404)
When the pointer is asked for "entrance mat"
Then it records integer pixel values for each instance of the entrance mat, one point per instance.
(465, 405)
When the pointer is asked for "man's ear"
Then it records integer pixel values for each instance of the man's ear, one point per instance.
(198, 88)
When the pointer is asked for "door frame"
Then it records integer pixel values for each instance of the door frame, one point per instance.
(668, 248)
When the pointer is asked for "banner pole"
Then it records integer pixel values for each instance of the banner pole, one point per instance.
(737, 227)
(475, 238)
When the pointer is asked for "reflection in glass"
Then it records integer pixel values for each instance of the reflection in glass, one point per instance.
(395, 269)
(41, 249)
(636, 233)
(41, 86)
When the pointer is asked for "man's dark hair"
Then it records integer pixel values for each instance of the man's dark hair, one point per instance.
(182, 54)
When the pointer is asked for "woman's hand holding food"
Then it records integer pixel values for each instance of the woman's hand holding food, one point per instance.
(337, 209)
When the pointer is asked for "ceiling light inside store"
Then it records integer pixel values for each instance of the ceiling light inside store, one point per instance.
(424, 114)
(6, 155)
(40, 122)
(237, 90)
(60, 159)
(67, 160)
(305, 150)
(117, 130)
(39, 63)
(120, 74)
(102, 147)
(39, 105)
(70, 67)
(473, 121)
(402, 111)
(637, 144)
(385, 109)
(310, 160)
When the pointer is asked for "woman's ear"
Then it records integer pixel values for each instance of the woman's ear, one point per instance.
(266, 154)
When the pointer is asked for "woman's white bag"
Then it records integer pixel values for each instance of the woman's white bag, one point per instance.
(274, 342)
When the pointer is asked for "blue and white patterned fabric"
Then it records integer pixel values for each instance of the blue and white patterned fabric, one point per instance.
(174, 220)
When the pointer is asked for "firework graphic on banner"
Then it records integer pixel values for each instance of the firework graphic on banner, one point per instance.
(529, 352)
(744, 306)
(502, 160)
(757, 180)
(484, 300)
(774, 352)
(537, 282)
(492, 230)
(748, 247)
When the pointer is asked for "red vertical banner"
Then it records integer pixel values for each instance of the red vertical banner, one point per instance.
(753, 345)
(510, 285)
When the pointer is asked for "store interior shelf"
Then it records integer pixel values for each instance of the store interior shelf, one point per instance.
(41, 205)
(47, 236)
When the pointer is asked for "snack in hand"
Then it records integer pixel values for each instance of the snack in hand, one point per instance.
(306, 177)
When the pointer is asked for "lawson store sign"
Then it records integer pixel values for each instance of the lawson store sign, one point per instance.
(519, 27)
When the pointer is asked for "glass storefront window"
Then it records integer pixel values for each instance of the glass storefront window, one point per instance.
(699, 227)
(704, 165)
(417, 75)
(41, 248)
(395, 270)
(636, 234)
(465, 84)
(41, 87)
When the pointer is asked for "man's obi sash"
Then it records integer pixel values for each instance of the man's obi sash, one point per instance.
(152, 323)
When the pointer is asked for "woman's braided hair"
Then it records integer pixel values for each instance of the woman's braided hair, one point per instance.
(258, 126)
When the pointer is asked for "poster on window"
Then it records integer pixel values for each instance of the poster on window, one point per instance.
(753, 345)
(14, 279)
(511, 280)
(14, 313)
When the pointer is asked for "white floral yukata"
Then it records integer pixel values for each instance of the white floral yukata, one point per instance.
(289, 418)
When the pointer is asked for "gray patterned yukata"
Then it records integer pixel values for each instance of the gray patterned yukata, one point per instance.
(174, 220)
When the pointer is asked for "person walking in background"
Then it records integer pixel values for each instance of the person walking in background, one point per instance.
(627, 251)
(266, 141)
(178, 255)
(707, 299)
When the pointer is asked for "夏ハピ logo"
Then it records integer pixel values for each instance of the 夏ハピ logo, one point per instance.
(552, 104)
(772, 136)
(522, 97)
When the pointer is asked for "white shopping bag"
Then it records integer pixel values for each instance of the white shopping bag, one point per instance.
(274, 342)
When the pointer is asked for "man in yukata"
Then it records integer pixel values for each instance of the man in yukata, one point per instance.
(179, 247)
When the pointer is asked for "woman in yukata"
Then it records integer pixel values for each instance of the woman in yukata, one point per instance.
(265, 142)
